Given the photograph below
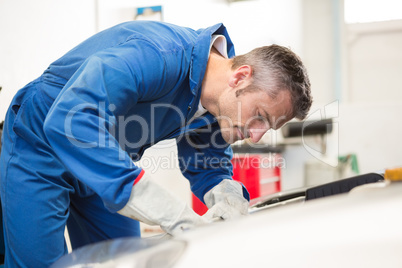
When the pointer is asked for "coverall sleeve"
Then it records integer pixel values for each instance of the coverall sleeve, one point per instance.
(205, 160)
(80, 124)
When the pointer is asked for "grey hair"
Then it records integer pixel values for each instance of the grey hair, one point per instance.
(277, 68)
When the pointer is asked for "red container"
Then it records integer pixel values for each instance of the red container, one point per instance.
(259, 173)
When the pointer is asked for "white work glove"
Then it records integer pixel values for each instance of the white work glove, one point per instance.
(152, 204)
(225, 201)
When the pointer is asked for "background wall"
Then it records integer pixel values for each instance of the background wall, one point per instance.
(357, 66)
(35, 33)
(354, 69)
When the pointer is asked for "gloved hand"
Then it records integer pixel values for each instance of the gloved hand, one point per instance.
(226, 201)
(152, 204)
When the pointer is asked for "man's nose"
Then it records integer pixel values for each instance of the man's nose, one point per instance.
(257, 133)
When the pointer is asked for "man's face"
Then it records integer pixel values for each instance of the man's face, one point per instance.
(252, 114)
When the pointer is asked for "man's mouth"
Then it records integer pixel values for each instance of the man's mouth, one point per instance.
(240, 134)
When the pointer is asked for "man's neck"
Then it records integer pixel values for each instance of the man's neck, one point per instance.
(215, 80)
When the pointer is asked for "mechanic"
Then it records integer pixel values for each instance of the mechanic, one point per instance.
(71, 136)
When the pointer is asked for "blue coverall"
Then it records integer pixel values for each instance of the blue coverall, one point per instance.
(70, 136)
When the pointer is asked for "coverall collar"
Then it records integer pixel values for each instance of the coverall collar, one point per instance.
(199, 56)
(199, 60)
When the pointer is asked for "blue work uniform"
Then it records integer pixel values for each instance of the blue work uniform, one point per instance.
(70, 136)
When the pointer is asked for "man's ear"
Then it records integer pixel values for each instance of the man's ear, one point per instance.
(240, 75)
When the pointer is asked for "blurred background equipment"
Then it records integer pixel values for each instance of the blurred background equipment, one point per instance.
(149, 13)
(318, 170)
(319, 128)
(258, 167)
